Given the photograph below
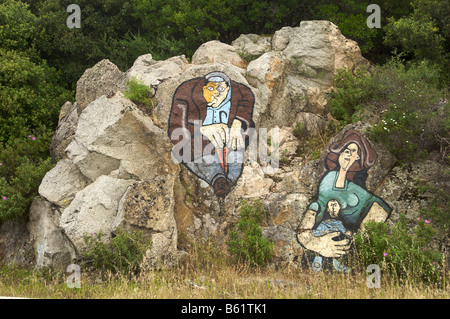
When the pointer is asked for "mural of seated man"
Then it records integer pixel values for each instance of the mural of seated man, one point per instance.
(209, 125)
(327, 240)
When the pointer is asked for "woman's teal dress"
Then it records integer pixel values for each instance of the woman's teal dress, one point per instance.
(355, 203)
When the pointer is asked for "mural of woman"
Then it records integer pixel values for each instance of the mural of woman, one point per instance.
(342, 204)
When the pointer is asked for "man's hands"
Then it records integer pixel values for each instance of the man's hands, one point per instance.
(236, 141)
(220, 135)
(217, 134)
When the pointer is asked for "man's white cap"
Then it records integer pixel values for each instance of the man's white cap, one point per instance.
(217, 77)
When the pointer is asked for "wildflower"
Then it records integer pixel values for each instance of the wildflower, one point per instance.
(427, 221)
(5, 198)
(342, 79)
(33, 138)
(434, 263)
(1, 164)
(418, 218)
(385, 254)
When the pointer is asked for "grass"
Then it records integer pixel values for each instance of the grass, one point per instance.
(208, 273)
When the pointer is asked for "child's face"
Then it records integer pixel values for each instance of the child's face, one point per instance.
(333, 208)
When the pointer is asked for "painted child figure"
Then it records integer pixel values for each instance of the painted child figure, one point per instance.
(331, 223)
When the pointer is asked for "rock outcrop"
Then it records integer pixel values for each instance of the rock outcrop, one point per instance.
(115, 168)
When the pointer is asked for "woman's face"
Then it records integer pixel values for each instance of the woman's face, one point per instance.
(348, 156)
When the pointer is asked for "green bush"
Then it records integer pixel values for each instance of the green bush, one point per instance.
(23, 165)
(416, 117)
(17, 25)
(424, 33)
(30, 99)
(352, 90)
(246, 242)
(139, 94)
(438, 210)
(409, 112)
(300, 130)
(122, 254)
(405, 255)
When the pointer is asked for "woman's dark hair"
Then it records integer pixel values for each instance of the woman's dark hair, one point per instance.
(357, 173)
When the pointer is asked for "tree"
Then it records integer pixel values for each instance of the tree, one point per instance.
(18, 25)
(72, 51)
(351, 18)
(424, 34)
(30, 98)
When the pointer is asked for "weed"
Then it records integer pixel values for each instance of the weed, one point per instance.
(404, 255)
(246, 242)
(139, 94)
(247, 57)
(122, 254)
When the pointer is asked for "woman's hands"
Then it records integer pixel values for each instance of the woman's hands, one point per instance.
(324, 245)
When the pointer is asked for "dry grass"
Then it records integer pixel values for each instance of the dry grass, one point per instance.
(207, 274)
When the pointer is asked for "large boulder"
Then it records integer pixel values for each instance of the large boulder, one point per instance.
(104, 78)
(67, 125)
(60, 185)
(152, 72)
(51, 246)
(299, 71)
(114, 137)
(114, 147)
(148, 206)
(252, 44)
(216, 52)
(318, 50)
(93, 210)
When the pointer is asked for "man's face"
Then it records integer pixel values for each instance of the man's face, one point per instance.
(215, 93)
